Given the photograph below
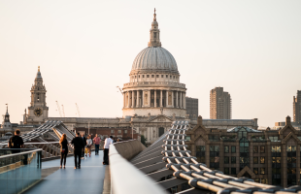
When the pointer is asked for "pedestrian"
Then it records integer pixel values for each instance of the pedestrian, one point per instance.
(106, 148)
(16, 142)
(89, 145)
(64, 149)
(85, 143)
(96, 142)
(78, 147)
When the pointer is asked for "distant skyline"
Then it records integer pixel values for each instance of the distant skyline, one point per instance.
(86, 48)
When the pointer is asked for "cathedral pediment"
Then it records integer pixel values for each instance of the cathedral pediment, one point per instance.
(161, 118)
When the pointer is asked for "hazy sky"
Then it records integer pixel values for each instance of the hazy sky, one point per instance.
(86, 49)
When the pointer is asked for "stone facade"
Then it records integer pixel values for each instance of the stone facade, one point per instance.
(269, 156)
(154, 82)
(37, 111)
(220, 104)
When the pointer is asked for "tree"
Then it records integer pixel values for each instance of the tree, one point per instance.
(143, 140)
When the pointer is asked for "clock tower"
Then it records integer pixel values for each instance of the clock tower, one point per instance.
(37, 111)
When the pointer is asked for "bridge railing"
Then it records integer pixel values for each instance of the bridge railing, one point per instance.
(127, 179)
(19, 171)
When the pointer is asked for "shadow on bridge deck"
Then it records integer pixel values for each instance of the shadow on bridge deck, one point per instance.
(89, 179)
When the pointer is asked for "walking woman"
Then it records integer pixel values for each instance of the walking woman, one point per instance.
(89, 145)
(64, 149)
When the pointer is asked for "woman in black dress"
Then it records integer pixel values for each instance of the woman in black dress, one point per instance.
(64, 149)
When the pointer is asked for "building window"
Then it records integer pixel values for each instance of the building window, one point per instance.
(166, 76)
(162, 76)
(262, 160)
(255, 170)
(112, 131)
(255, 149)
(262, 170)
(125, 131)
(119, 131)
(226, 149)
(274, 138)
(255, 160)
(262, 149)
(153, 76)
(291, 160)
(213, 138)
(291, 148)
(142, 76)
(233, 170)
(226, 170)
(276, 160)
(233, 160)
(233, 149)
(214, 148)
(226, 160)
(139, 76)
(200, 153)
(174, 77)
(157, 75)
(147, 76)
(276, 149)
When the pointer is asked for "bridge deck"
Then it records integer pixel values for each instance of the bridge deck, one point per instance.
(89, 179)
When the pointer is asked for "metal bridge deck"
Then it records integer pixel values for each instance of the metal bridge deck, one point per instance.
(89, 179)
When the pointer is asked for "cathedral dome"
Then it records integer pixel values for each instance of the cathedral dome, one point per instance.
(155, 58)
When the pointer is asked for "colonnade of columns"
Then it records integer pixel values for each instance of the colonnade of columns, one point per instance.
(154, 98)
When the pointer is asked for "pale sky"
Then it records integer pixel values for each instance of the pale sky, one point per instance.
(86, 49)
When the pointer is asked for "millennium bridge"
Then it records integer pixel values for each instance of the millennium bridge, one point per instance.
(164, 167)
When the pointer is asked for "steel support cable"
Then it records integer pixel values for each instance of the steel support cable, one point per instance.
(189, 178)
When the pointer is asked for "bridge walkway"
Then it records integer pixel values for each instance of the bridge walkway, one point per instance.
(89, 179)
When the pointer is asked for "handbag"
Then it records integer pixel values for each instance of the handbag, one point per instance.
(63, 150)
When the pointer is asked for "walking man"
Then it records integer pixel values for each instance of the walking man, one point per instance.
(16, 142)
(85, 143)
(78, 147)
(96, 142)
(106, 148)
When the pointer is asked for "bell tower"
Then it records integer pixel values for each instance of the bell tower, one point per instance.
(37, 111)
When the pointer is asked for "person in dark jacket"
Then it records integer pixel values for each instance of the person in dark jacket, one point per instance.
(16, 142)
(85, 143)
(78, 147)
(64, 149)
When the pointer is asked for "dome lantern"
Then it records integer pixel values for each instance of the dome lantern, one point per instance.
(154, 33)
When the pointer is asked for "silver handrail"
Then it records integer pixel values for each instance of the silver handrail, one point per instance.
(20, 153)
(121, 171)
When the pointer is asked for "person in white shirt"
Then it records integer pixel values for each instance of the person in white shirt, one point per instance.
(106, 148)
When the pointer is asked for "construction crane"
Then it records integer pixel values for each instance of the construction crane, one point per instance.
(77, 109)
(58, 108)
(63, 110)
(119, 89)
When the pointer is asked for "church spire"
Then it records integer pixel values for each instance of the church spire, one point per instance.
(39, 75)
(154, 33)
(6, 116)
(6, 109)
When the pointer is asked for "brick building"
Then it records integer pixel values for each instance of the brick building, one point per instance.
(269, 156)
(121, 133)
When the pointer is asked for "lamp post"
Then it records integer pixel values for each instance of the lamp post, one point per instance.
(133, 132)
